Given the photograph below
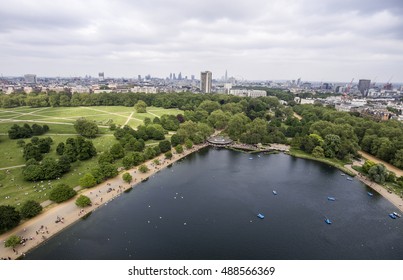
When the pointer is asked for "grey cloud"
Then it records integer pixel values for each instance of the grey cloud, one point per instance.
(249, 36)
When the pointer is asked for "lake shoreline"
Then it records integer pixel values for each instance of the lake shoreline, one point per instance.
(37, 230)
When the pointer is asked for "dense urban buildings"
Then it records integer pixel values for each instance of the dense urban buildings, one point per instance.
(30, 79)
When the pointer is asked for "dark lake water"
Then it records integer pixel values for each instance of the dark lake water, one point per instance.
(205, 207)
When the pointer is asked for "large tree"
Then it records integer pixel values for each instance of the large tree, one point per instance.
(9, 217)
(141, 106)
(165, 146)
(30, 209)
(61, 192)
(378, 173)
(87, 181)
(86, 128)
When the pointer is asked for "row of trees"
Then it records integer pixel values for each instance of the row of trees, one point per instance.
(36, 148)
(381, 139)
(10, 217)
(26, 131)
(38, 168)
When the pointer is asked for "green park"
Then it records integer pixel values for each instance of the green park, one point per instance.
(55, 144)
(14, 189)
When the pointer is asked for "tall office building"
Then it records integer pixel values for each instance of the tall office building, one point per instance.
(101, 76)
(30, 78)
(205, 81)
(363, 86)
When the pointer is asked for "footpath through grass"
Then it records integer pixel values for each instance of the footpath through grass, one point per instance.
(14, 190)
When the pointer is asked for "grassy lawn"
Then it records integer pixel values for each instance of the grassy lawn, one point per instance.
(13, 189)
(332, 162)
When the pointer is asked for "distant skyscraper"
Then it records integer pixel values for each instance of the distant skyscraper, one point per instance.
(173, 76)
(180, 76)
(192, 77)
(205, 81)
(226, 76)
(170, 76)
(363, 86)
(101, 76)
(30, 78)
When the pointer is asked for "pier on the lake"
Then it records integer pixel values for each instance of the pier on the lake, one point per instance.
(222, 141)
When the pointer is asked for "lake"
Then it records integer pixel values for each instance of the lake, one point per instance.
(205, 206)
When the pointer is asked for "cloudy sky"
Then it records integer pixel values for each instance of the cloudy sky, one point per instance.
(320, 40)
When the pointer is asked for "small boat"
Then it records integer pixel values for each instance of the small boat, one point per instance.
(331, 198)
(275, 192)
(342, 174)
(396, 214)
(250, 158)
(370, 193)
(393, 216)
(350, 179)
(261, 216)
(327, 221)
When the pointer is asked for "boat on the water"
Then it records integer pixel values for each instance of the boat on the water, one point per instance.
(350, 179)
(370, 193)
(275, 192)
(260, 215)
(331, 198)
(328, 221)
(342, 174)
(396, 214)
(393, 216)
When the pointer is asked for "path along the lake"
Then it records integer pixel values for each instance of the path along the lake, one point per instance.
(59, 216)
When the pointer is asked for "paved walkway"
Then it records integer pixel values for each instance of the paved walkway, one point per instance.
(12, 167)
(60, 216)
(390, 167)
(392, 197)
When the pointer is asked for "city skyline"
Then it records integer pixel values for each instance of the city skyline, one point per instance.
(258, 40)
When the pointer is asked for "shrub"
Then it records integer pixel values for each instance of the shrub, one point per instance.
(127, 177)
(188, 144)
(12, 241)
(168, 155)
(30, 209)
(179, 149)
(83, 201)
(87, 181)
(143, 168)
(61, 192)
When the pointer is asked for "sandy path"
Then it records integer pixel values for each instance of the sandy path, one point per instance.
(129, 118)
(392, 197)
(390, 167)
(297, 116)
(43, 226)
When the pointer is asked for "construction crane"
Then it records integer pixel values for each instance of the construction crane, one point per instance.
(347, 91)
(388, 85)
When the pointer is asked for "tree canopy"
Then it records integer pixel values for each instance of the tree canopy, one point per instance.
(86, 128)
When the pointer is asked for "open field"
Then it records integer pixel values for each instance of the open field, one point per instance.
(13, 189)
